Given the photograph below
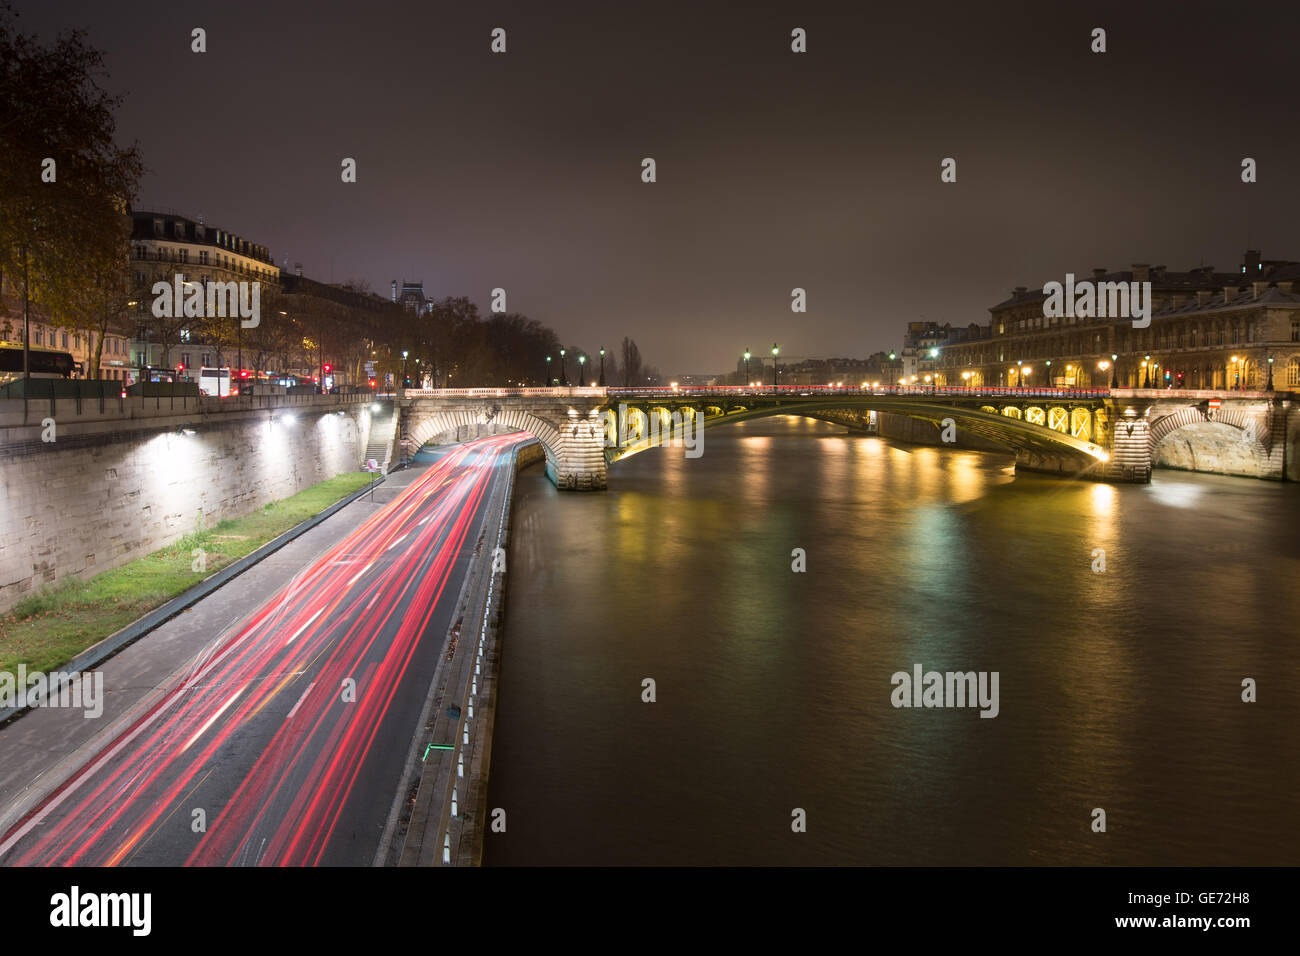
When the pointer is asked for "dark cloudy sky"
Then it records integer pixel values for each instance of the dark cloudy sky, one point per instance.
(775, 170)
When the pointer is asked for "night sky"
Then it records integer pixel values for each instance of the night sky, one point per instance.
(775, 170)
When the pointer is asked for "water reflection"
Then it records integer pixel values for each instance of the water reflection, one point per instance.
(1119, 688)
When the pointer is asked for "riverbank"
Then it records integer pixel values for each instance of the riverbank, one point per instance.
(45, 631)
(440, 813)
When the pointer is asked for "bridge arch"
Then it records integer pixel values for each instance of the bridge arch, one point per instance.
(1035, 445)
(427, 425)
(1234, 436)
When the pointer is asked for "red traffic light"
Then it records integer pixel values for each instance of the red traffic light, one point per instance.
(329, 368)
(243, 373)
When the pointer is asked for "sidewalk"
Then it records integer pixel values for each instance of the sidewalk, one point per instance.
(32, 747)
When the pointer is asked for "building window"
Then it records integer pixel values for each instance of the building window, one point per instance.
(184, 255)
(185, 359)
(1293, 372)
(206, 364)
(203, 257)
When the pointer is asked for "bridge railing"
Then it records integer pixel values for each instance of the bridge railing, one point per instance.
(798, 391)
(539, 392)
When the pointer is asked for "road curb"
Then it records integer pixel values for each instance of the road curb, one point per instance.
(113, 644)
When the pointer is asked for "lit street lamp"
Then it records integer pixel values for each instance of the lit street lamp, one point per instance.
(405, 384)
(748, 380)
(582, 362)
(602, 367)
(548, 371)
(1114, 371)
(775, 351)
(564, 374)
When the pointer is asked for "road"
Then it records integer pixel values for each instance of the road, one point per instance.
(283, 743)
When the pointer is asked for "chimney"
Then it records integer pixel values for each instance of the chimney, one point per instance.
(1229, 292)
(1098, 274)
(1251, 263)
(1141, 272)
(1259, 288)
(1019, 291)
(1285, 287)
(1203, 296)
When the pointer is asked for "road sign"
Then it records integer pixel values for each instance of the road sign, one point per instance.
(1215, 403)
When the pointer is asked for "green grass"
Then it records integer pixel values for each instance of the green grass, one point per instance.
(50, 628)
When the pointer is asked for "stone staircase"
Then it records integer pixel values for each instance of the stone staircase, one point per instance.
(383, 429)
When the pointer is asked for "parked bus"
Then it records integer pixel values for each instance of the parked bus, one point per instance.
(214, 382)
(41, 362)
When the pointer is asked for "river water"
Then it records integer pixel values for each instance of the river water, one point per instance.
(1118, 689)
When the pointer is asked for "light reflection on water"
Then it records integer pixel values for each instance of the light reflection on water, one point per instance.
(1118, 689)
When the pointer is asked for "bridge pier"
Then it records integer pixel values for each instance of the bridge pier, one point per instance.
(1130, 449)
(578, 462)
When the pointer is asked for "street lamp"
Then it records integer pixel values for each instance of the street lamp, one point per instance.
(747, 378)
(564, 375)
(1024, 372)
(602, 366)
(775, 352)
(1270, 373)
(548, 371)
(1146, 378)
(582, 363)
(1114, 370)
(1236, 373)
(405, 383)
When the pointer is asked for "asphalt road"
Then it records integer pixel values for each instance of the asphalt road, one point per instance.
(283, 742)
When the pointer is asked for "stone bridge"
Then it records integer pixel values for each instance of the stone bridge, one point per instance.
(1099, 433)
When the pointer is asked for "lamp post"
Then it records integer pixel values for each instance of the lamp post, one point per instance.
(564, 374)
(775, 352)
(548, 371)
(1114, 370)
(1236, 373)
(405, 383)
(1270, 373)
(1020, 375)
(602, 367)
(1048, 373)
(582, 364)
(1146, 377)
(748, 380)
(1024, 373)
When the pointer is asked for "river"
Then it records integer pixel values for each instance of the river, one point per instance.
(1118, 689)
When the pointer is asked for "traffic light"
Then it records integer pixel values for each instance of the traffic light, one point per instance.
(328, 368)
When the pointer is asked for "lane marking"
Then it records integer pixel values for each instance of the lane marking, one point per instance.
(305, 626)
(300, 700)
(212, 720)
